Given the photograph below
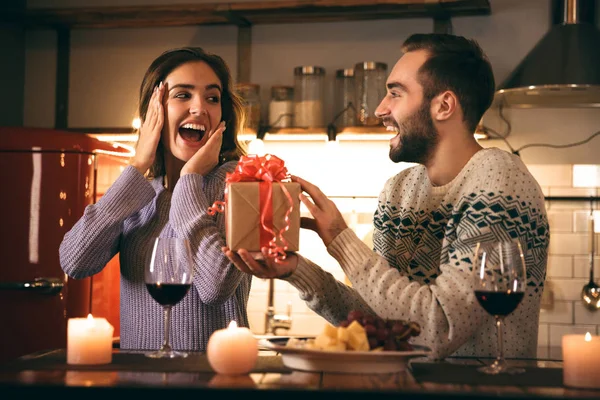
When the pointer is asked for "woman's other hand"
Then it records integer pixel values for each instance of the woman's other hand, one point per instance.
(265, 267)
(150, 131)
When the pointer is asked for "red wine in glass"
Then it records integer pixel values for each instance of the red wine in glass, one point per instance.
(168, 278)
(167, 294)
(499, 279)
(498, 303)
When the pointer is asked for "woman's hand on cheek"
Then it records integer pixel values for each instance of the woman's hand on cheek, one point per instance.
(150, 131)
(207, 157)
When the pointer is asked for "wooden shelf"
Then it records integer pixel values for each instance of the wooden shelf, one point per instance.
(280, 131)
(103, 130)
(244, 14)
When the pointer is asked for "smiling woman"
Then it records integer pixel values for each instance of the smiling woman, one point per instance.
(196, 89)
(187, 143)
(192, 97)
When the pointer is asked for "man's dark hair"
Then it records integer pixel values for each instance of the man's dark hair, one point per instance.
(459, 65)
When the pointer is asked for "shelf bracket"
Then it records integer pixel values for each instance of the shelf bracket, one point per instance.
(234, 18)
(244, 53)
(442, 24)
(63, 56)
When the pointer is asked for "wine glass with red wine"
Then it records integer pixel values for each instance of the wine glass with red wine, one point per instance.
(168, 277)
(499, 281)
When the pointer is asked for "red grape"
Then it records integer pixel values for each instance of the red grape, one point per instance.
(392, 335)
(355, 315)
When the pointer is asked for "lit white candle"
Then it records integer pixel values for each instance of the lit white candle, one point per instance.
(581, 365)
(89, 341)
(232, 351)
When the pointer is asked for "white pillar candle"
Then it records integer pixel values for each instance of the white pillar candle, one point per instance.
(89, 341)
(232, 351)
(581, 364)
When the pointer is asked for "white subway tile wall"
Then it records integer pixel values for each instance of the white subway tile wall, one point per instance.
(586, 175)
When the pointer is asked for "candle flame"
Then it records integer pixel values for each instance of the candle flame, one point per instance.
(588, 337)
(90, 321)
(232, 325)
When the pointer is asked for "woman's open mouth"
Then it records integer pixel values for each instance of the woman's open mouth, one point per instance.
(192, 132)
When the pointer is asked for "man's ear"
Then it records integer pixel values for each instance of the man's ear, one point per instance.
(444, 105)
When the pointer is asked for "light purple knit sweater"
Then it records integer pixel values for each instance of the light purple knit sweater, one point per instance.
(125, 220)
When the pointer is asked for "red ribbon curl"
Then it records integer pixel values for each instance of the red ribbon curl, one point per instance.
(265, 169)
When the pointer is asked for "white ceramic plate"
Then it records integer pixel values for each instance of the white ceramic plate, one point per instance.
(353, 362)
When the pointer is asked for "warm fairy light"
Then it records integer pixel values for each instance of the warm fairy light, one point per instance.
(256, 146)
(136, 123)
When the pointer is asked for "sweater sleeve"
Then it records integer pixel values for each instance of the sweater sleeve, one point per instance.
(215, 277)
(438, 308)
(94, 239)
(324, 294)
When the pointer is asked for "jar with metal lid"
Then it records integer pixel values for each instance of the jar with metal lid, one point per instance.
(249, 92)
(308, 96)
(281, 106)
(370, 90)
(344, 112)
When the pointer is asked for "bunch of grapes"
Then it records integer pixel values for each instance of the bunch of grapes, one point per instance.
(392, 335)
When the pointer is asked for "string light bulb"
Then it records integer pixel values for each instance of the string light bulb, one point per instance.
(136, 123)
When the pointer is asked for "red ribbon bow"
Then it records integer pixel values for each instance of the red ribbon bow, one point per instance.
(265, 169)
(253, 168)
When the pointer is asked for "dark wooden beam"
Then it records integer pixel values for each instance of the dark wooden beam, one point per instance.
(246, 13)
(244, 53)
(63, 56)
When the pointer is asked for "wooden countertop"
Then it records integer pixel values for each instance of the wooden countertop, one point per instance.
(47, 374)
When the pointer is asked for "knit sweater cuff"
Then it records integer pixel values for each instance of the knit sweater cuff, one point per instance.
(349, 250)
(130, 192)
(306, 277)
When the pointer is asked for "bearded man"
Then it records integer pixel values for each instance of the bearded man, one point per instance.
(430, 216)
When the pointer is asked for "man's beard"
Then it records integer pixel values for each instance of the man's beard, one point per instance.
(418, 137)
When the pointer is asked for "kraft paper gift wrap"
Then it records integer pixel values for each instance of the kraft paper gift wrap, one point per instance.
(243, 214)
(261, 207)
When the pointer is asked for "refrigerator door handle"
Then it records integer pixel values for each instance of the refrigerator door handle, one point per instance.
(51, 286)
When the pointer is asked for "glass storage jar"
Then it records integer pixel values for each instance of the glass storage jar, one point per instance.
(249, 92)
(281, 106)
(308, 96)
(370, 90)
(344, 98)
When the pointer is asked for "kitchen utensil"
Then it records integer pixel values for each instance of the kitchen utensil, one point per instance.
(590, 293)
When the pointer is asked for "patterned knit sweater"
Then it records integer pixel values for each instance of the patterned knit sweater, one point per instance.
(125, 220)
(424, 238)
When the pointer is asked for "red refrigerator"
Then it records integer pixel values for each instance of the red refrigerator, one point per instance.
(48, 177)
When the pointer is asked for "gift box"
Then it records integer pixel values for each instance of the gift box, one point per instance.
(262, 207)
(244, 228)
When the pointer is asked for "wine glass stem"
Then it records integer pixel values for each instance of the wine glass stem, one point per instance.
(500, 356)
(166, 346)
